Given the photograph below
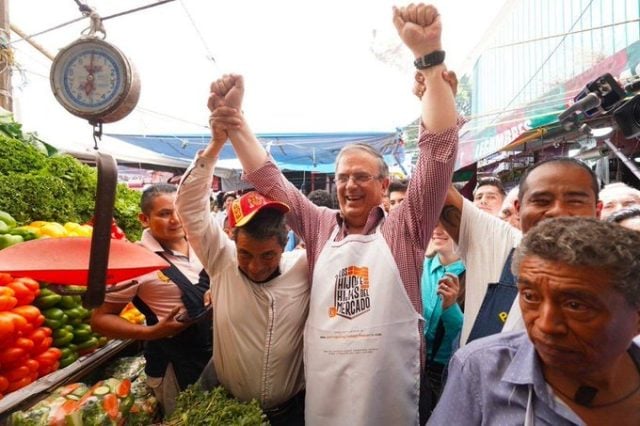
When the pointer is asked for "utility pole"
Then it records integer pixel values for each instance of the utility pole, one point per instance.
(6, 58)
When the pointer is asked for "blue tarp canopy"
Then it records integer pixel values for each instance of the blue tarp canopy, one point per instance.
(313, 152)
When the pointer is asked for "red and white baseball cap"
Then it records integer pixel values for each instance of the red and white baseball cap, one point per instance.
(242, 209)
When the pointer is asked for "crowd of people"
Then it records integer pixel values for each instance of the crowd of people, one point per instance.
(519, 306)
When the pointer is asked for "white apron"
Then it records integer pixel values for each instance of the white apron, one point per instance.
(361, 340)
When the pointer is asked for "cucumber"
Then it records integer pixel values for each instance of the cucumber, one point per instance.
(74, 322)
(68, 360)
(52, 324)
(83, 326)
(68, 302)
(60, 332)
(65, 352)
(54, 314)
(81, 336)
(63, 340)
(89, 344)
(86, 313)
(101, 390)
(46, 301)
(73, 313)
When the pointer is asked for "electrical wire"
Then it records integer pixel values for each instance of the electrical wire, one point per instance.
(82, 6)
(73, 21)
(137, 9)
(200, 36)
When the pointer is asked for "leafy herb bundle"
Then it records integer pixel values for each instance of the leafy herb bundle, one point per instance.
(198, 407)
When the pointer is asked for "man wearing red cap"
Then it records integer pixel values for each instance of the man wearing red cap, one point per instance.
(363, 336)
(259, 293)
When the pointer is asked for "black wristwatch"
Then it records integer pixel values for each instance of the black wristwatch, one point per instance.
(430, 59)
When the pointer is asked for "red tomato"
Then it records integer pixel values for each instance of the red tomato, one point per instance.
(124, 388)
(5, 278)
(45, 345)
(24, 343)
(7, 298)
(37, 336)
(7, 327)
(17, 373)
(39, 321)
(24, 295)
(19, 384)
(48, 357)
(29, 312)
(43, 370)
(4, 384)
(15, 364)
(31, 284)
(12, 354)
(32, 364)
(110, 405)
(21, 324)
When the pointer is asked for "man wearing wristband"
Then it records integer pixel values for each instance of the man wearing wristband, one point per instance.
(363, 337)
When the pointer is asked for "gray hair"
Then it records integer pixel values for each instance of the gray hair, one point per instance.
(604, 192)
(581, 241)
(382, 166)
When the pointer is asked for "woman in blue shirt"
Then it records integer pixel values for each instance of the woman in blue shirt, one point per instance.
(440, 286)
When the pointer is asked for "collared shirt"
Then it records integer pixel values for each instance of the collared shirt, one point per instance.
(257, 328)
(432, 306)
(154, 288)
(489, 381)
(406, 230)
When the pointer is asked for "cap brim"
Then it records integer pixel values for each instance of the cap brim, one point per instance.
(276, 205)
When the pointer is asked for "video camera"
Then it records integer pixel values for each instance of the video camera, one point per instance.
(600, 97)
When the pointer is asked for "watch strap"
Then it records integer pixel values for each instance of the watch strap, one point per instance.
(430, 60)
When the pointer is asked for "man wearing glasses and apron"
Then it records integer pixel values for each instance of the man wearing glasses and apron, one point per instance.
(363, 337)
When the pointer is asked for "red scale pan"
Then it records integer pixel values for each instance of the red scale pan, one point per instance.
(66, 260)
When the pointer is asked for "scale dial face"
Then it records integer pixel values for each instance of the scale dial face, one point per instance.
(92, 79)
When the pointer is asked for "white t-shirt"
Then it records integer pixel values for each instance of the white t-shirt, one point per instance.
(484, 245)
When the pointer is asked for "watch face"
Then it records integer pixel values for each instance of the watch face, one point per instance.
(89, 77)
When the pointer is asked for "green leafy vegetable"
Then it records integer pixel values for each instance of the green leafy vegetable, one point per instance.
(35, 185)
(198, 407)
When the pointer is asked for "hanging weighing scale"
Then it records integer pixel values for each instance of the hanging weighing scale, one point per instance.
(93, 80)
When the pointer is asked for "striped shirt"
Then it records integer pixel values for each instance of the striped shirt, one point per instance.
(406, 230)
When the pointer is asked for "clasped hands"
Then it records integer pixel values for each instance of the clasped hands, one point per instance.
(225, 103)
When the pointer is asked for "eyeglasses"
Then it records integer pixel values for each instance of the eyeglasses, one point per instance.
(357, 178)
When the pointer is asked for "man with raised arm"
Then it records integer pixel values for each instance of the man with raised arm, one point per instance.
(259, 293)
(363, 336)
